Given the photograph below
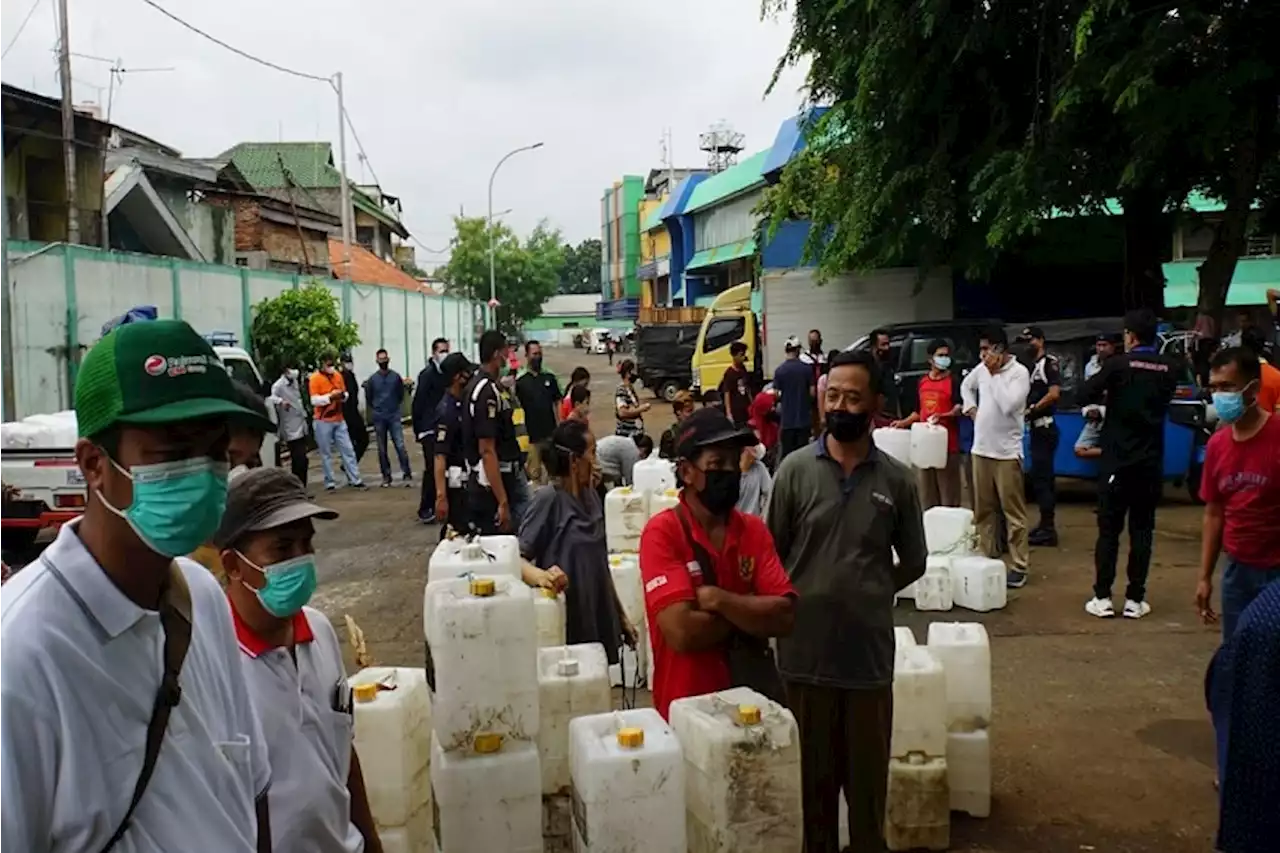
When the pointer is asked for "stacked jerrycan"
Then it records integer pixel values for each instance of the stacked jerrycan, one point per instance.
(486, 779)
(573, 681)
(625, 569)
(742, 773)
(974, 582)
(918, 811)
(628, 784)
(626, 511)
(965, 653)
(393, 739)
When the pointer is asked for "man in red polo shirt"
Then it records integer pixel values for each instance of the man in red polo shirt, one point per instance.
(690, 621)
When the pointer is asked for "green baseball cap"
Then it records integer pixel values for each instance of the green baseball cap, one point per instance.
(155, 372)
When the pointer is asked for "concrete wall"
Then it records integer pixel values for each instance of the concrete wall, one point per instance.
(62, 295)
(210, 226)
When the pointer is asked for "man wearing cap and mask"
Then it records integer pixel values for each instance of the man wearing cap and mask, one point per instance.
(711, 575)
(127, 719)
(293, 664)
(449, 465)
(838, 511)
(1042, 402)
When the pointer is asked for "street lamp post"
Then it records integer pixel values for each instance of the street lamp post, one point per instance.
(493, 281)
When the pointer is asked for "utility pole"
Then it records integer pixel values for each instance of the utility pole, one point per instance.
(346, 187)
(493, 286)
(68, 126)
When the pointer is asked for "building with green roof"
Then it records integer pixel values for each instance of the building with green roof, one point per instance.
(304, 173)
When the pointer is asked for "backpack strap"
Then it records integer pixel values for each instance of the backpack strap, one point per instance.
(175, 621)
(700, 554)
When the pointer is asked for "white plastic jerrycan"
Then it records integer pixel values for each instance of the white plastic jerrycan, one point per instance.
(573, 681)
(928, 445)
(895, 442)
(393, 738)
(626, 512)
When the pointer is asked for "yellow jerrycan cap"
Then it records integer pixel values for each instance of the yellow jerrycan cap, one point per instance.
(487, 743)
(749, 715)
(365, 692)
(631, 738)
(483, 587)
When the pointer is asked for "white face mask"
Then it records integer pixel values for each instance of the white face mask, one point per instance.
(291, 374)
(236, 472)
(439, 357)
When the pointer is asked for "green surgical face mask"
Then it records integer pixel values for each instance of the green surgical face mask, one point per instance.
(176, 505)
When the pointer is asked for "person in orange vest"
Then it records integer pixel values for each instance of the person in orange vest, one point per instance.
(328, 392)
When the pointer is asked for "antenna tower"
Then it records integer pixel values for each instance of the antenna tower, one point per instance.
(723, 144)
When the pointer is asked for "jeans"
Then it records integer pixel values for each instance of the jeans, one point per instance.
(1044, 443)
(1240, 586)
(298, 458)
(328, 434)
(382, 428)
(1132, 493)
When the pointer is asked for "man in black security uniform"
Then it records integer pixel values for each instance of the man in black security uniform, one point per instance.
(489, 438)
(1138, 386)
(450, 458)
(426, 398)
(1042, 402)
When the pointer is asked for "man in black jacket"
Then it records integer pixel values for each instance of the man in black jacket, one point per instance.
(351, 408)
(1137, 387)
(426, 397)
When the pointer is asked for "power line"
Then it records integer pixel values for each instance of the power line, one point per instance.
(360, 146)
(21, 27)
(234, 49)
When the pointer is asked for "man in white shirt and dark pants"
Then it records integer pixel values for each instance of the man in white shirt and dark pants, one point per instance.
(113, 640)
(994, 394)
(291, 415)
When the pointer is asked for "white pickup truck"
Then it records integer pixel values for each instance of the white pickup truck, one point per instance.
(43, 486)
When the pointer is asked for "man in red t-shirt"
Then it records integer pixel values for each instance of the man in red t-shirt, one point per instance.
(1240, 487)
(939, 393)
(689, 620)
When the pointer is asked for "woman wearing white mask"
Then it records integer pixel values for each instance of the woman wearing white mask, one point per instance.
(293, 665)
(291, 415)
(757, 483)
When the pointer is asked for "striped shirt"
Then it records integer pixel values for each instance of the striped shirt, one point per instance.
(626, 397)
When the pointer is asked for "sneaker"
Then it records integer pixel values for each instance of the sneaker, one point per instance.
(427, 519)
(330, 487)
(1100, 607)
(361, 486)
(406, 480)
(1043, 537)
(1135, 609)
(386, 484)
(1016, 579)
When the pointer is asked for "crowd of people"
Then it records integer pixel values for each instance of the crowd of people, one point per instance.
(784, 537)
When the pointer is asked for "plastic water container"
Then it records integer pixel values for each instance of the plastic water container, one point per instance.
(488, 797)
(417, 836)
(949, 530)
(626, 511)
(928, 445)
(903, 638)
(572, 682)
(918, 815)
(483, 640)
(978, 583)
(934, 588)
(742, 773)
(482, 555)
(548, 611)
(628, 783)
(625, 569)
(964, 650)
(653, 475)
(666, 499)
(393, 738)
(919, 704)
(895, 442)
(969, 772)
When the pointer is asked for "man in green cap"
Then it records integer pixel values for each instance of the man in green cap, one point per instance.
(127, 718)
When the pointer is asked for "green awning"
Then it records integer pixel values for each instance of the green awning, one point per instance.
(723, 254)
(1253, 276)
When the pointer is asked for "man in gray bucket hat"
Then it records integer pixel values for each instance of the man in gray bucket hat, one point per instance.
(290, 653)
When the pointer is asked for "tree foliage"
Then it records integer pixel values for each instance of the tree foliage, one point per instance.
(299, 327)
(957, 128)
(525, 273)
(581, 272)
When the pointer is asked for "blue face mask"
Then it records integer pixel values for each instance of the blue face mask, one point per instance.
(290, 584)
(1230, 405)
(176, 505)
(942, 362)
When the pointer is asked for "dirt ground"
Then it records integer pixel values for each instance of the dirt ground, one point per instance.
(1100, 739)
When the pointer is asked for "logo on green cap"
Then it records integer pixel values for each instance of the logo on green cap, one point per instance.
(176, 365)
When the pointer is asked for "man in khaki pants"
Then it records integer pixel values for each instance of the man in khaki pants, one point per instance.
(994, 394)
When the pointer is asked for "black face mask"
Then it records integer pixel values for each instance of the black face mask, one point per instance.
(383, 365)
(719, 492)
(535, 364)
(846, 427)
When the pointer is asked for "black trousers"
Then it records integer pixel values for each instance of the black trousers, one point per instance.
(1044, 443)
(792, 438)
(427, 503)
(1132, 493)
(298, 458)
(482, 506)
(459, 513)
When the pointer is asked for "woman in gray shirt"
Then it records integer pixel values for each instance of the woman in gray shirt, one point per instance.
(564, 528)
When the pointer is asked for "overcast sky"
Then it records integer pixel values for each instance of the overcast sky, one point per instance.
(438, 91)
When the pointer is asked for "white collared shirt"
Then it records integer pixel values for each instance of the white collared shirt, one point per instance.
(1001, 400)
(81, 667)
(308, 742)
